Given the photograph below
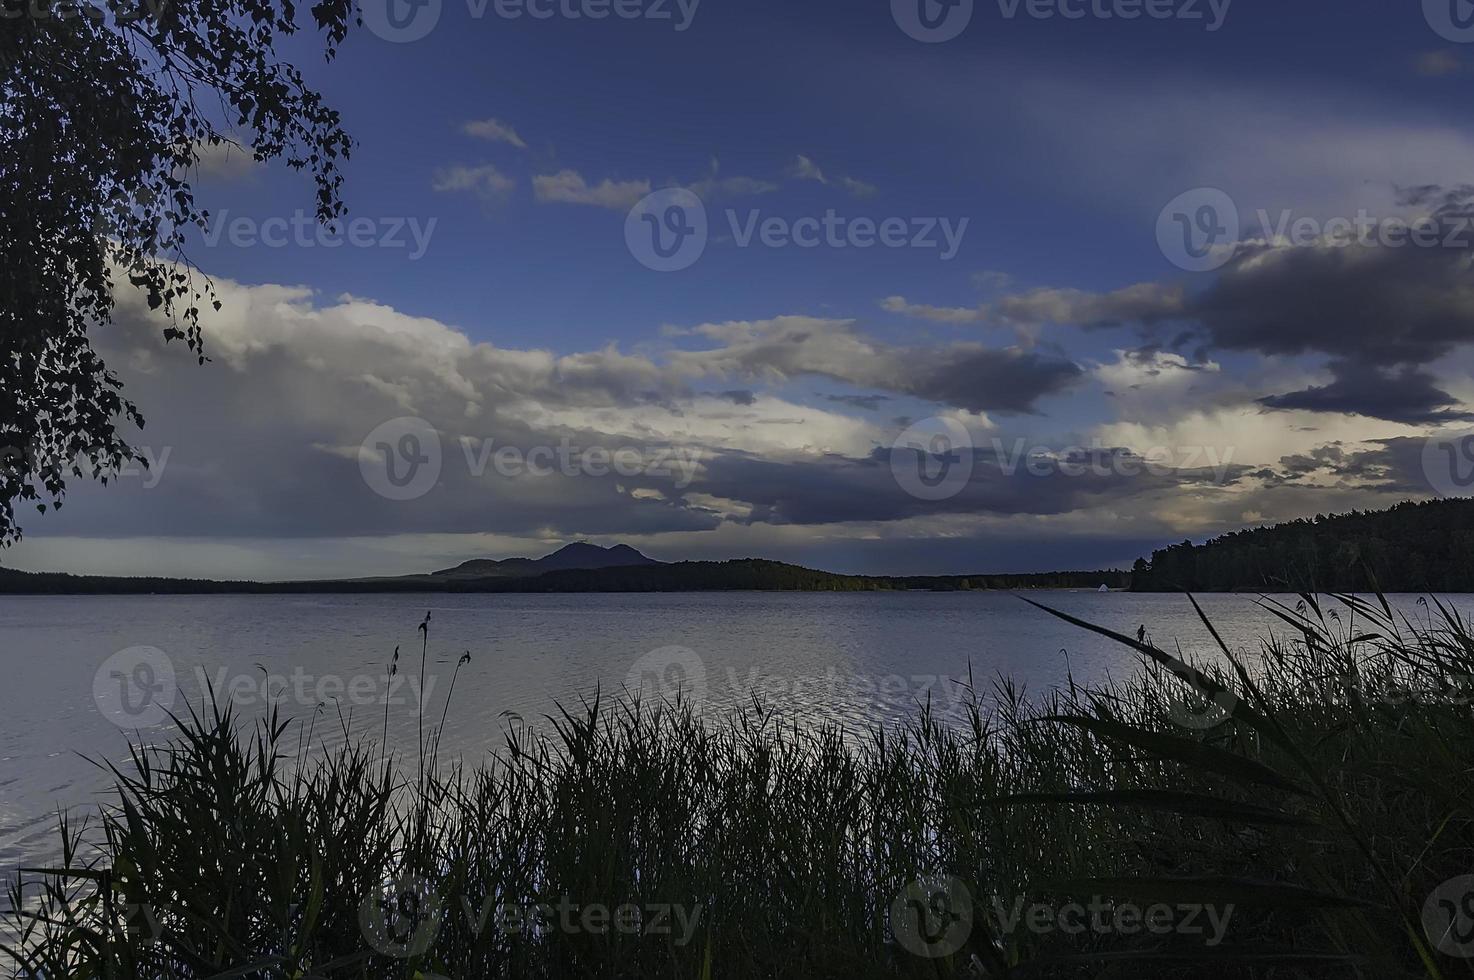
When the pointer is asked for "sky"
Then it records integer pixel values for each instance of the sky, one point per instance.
(1044, 286)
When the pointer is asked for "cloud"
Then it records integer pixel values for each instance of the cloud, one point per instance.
(493, 132)
(835, 489)
(226, 160)
(713, 185)
(969, 376)
(570, 187)
(938, 314)
(484, 181)
(1147, 303)
(1382, 308)
(1404, 394)
(870, 403)
(804, 168)
(264, 442)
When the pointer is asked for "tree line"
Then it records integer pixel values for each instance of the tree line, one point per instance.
(1413, 547)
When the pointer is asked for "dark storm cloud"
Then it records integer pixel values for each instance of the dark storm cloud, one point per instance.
(1392, 467)
(836, 489)
(1374, 305)
(963, 375)
(983, 380)
(1402, 395)
(1382, 307)
(870, 403)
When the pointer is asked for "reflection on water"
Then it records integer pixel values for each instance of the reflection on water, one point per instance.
(72, 664)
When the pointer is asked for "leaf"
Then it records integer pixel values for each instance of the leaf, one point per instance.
(1200, 755)
(1197, 679)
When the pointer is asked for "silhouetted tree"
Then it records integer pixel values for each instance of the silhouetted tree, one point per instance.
(1412, 547)
(104, 112)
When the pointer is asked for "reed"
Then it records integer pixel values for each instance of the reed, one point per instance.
(1322, 798)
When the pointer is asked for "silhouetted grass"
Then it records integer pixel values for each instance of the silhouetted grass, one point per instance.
(1322, 805)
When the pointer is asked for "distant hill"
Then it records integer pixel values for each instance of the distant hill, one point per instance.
(579, 555)
(1413, 547)
(750, 574)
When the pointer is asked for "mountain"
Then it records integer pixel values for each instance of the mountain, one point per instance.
(638, 574)
(579, 555)
(1413, 547)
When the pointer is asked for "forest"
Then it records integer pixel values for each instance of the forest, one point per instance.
(1413, 547)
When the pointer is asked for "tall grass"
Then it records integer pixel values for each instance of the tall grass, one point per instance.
(1324, 806)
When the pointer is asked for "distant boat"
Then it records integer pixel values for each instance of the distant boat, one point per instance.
(1103, 588)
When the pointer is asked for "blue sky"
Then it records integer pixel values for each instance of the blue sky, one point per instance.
(959, 128)
(521, 145)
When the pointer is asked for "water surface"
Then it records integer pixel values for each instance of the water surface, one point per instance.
(854, 658)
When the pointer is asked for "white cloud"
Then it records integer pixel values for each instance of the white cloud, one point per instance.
(570, 187)
(486, 181)
(494, 131)
(804, 168)
(939, 314)
(224, 161)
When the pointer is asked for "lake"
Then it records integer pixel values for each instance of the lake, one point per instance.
(83, 673)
